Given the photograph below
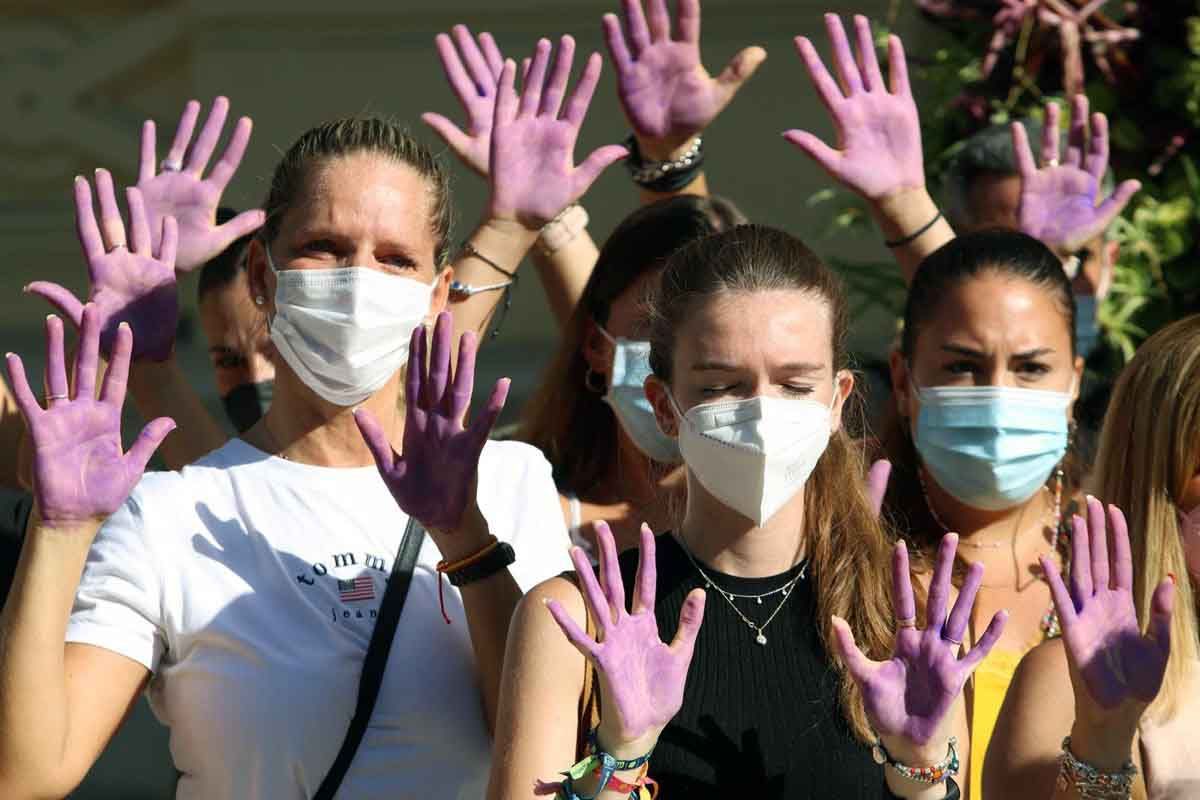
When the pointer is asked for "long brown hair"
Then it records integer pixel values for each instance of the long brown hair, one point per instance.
(847, 546)
(1149, 450)
(565, 418)
(965, 258)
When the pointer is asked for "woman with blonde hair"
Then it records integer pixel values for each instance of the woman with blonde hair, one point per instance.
(1136, 713)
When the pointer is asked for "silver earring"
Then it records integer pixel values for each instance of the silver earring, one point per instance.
(259, 300)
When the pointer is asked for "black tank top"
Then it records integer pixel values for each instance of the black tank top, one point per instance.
(758, 721)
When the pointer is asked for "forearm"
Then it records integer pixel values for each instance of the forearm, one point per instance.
(160, 389)
(902, 214)
(564, 274)
(504, 242)
(34, 713)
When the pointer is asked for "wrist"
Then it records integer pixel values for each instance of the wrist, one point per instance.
(1106, 747)
(906, 208)
(911, 754)
(669, 148)
(625, 748)
(63, 526)
(467, 538)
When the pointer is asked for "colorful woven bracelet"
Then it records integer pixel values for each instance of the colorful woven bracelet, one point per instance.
(935, 773)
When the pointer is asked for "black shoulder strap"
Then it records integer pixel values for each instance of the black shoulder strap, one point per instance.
(377, 656)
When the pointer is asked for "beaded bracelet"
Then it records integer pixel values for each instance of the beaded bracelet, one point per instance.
(664, 176)
(935, 773)
(1089, 782)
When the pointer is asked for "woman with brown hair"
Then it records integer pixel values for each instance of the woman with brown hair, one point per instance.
(751, 378)
(1148, 465)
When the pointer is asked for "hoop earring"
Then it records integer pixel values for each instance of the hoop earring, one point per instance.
(589, 384)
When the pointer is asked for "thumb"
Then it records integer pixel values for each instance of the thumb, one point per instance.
(373, 435)
(857, 664)
(1116, 202)
(242, 225)
(60, 298)
(601, 159)
(815, 149)
(877, 483)
(739, 70)
(1162, 604)
(690, 618)
(147, 442)
(449, 133)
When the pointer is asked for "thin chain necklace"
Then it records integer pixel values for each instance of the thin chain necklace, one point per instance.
(1049, 624)
(786, 590)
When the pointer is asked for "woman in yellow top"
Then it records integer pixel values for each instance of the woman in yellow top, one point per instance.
(987, 373)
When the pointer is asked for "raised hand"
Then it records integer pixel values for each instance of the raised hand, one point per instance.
(878, 132)
(1115, 668)
(664, 88)
(433, 478)
(81, 473)
(533, 175)
(908, 697)
(641, 677)
(131, 280)
(1060, 203)
(473, 69)
(180, 189)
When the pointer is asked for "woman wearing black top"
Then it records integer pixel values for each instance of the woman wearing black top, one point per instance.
(750, 375)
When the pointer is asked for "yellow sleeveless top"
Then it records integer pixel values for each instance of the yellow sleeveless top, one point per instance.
(992, 677)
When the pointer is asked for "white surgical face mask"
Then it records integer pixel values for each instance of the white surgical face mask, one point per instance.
(345, 331)
(754, 455)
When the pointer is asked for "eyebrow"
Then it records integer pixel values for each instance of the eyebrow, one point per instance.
(967, 351)
(803, 368)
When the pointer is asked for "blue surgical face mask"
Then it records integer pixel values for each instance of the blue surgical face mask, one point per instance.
(627, 397)
(991, 447)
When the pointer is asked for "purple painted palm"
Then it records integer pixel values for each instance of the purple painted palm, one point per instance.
(1115, 668)
(81, 473)
(433, 478)
(664, 88)
(533, 172)
(908, 697)
(878, 149)
(641, 677)
(181, 191)
(130, 280)
(1060, 203)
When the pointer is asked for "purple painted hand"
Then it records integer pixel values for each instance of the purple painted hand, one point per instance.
(473, 70)
(878, 132)
(665, 90)
(131, 281)
(877, 483)
(1060, 203)
(533, 176)
(641, 677)
(433, 478)
(81, 475)
(909, 696)
(1115, 669)
(181, 191)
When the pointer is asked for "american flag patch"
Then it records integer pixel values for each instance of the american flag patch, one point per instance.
(361, 588)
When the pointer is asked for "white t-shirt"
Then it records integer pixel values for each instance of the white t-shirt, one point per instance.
(249, 586)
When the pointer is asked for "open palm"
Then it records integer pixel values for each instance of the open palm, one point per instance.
(533, 172)
(181, 191)
(433, 479)
(80, 471)
(1060, 202)
(909, 696)
(1113, 664)
(641, 677)
(130, 281)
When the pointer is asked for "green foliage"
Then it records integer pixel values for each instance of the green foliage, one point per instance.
(1154, 108)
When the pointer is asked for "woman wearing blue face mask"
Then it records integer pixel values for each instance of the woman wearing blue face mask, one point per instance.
(984, 381)
(590, 416)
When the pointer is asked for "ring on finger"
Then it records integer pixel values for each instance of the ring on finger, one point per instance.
(171, 165)
(906, 622)
(952, 640)
(52, 397)
(1051, 162)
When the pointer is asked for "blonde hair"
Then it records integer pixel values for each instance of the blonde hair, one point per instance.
(1149, 450)
(848, 547)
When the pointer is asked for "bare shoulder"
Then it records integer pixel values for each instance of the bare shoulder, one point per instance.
(1045, 667)
(532, 619)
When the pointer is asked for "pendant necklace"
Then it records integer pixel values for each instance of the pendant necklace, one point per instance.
(785, 590)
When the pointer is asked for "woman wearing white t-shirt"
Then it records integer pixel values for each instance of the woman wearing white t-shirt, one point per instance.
(243, 590)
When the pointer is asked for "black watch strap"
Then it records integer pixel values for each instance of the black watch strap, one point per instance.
(496, 559)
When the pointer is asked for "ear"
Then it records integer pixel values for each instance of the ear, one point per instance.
(660, 400)
(843, 383)
(441, 294)
(901, 383)
(259, 279)
(597, 349)
(1077, 384)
